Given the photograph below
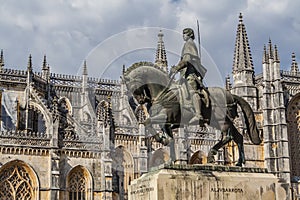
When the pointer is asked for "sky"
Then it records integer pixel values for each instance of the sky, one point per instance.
(108, 34)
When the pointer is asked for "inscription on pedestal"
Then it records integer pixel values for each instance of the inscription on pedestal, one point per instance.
(142, 190)
(229, 190)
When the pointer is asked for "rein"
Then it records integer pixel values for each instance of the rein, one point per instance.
(156, 99)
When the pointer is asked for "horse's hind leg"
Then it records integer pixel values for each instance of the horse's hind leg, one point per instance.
(239, 140)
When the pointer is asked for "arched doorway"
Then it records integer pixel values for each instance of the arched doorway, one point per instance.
(123, 172)
(18, 181)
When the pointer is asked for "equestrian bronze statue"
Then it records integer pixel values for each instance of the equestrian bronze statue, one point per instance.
(174, 104)
(170, 108)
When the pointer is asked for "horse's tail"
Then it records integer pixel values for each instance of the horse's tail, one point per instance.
(249, 120)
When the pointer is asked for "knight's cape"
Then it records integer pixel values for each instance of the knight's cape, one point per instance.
(190, 54)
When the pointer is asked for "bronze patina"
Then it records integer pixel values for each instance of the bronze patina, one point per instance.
(170, 109)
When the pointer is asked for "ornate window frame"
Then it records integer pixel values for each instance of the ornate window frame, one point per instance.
(18, 181)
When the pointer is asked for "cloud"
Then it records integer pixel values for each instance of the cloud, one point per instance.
(67, 31)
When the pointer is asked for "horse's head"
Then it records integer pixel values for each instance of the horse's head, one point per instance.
(145, 81)
(133, 85)
(141, 95)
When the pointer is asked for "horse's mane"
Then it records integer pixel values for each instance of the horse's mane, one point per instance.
(142, 63)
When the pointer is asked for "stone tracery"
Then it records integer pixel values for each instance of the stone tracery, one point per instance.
(16, 182)
(293, 116)
(79, 184)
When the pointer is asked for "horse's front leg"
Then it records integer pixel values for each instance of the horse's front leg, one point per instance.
(214, 150)
(167, 130)
(158, 117)
(158, 137)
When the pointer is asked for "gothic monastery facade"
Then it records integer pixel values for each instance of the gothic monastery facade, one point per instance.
(76, 137)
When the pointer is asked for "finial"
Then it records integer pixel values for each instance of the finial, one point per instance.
(124, 69)
(294, 68)
(44, 63)
(276, 57)
(265, 55)
(241, 18)
(161, 58)
(293, 57)
(29, 65)
(227, 83)
(160, 35)
(84, 68)
(270, 49)
(1, 59)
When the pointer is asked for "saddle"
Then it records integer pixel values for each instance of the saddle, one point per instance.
(203, 93)
(187, 100)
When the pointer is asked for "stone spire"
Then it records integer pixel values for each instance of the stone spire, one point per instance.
(265, 56)
(161, 58)
(276, 57)
(271, 62)
(242, 54)
(124, 69)
(227, 83)
(1, 60)
(45, 69)
(27, 93)
(294, 67)
(243, 70)
(29, 65)
(84, 71)
(270, 53)
(270, 49)
(44, 63)
(84, 82)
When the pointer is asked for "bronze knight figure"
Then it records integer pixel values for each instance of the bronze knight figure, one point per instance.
(192, 73)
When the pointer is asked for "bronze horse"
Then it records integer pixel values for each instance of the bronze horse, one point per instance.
(170, 109)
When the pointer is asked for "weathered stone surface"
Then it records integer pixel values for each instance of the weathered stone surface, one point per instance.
(206, 182)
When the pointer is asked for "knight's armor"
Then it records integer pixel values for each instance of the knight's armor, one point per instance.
(192, 73)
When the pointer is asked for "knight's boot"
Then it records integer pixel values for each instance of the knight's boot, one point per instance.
(205, 95)
(198, 118)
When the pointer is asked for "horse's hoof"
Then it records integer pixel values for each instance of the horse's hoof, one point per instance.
(239, 164)
(211, 159)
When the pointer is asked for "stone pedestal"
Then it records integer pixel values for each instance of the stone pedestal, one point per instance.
(172, 182)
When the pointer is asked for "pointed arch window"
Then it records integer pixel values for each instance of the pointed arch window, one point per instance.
(102, 110)
(16, 182)
(79, 184)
